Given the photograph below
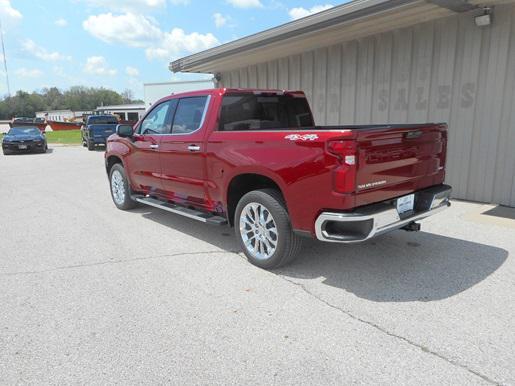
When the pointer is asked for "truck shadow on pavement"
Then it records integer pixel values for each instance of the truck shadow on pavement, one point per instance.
(397, 267)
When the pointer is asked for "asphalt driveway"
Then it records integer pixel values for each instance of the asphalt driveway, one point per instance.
(91, 294)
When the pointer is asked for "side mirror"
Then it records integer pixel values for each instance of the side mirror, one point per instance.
(124, 131)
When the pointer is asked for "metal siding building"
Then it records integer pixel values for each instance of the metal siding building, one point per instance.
(441, 68)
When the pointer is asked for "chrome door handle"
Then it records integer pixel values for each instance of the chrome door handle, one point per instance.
(154, 146)
(194, 148)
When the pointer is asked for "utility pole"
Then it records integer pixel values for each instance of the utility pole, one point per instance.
(5, 60)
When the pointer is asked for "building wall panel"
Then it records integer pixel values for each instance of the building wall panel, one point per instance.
(334, 72)
(401, 72)
(348, 88)
(382, 78)
(445, 70)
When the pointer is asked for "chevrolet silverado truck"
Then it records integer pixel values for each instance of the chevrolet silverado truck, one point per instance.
(97, 129)
(254, 160)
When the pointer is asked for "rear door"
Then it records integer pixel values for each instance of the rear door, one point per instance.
(143, 161)
(182, 153)
(397, 160)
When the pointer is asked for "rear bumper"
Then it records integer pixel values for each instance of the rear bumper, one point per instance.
(98, 140)
(373, 220)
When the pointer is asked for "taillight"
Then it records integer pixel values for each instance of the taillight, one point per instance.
(344, 176)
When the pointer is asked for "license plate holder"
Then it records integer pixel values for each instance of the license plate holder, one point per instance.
(405, 204)
(22, 147)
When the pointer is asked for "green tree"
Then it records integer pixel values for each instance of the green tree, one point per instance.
(76, 98)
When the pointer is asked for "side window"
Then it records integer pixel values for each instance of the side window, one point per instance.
(189, 113)
(158, 121)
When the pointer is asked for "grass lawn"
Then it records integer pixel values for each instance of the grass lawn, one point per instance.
(68, 137)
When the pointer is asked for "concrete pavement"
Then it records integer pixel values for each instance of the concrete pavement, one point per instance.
(91, 294)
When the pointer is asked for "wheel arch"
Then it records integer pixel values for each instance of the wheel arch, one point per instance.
(243, 183)
(112, 160)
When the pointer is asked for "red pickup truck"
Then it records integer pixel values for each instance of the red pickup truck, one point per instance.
(255, 160)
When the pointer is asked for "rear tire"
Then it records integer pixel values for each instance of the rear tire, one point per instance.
(91, 146)
(262, 226)
(120, 190)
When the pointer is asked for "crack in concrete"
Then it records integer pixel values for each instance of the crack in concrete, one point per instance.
(391, 334)
(106, 262)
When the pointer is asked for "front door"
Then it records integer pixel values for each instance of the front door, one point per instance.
(143, 160)
(182, 153)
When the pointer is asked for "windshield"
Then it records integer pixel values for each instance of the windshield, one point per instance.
(102, 120)
(264, 112)
(24, 131)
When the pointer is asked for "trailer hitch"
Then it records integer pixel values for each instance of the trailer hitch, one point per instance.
(412, 227)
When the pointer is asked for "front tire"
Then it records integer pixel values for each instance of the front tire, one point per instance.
(120, 191)
(263, 228)
(91, 145)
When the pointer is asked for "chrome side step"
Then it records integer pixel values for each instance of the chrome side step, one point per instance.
(208, 218)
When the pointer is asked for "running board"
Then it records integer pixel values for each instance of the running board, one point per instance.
(186, 212)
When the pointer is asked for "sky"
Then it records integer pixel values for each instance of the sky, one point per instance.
(121, 44)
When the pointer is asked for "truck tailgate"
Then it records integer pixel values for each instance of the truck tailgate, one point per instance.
(105, 130)
(397, 160)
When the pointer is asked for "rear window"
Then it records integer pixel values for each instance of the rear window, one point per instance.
(264, 112)
(102, 120)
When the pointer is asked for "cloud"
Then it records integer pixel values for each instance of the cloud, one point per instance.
(136, 30)
(177, 41)
(220, 20)
(127, 5)
(61, 22)
(28, 73)
(131, 71)
(180, 2)
(7, 10)
(131, 29)
(97, 65)
(246, 3)
(298, 13)
(42, 53)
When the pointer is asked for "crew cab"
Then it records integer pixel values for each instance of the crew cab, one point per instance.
(97, 129)
(255, 160)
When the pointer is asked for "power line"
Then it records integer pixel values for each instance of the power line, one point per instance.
(5, 59)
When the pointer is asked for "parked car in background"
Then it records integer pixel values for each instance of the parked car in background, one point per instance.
(97, 129)
(24, 139)
(254, 159)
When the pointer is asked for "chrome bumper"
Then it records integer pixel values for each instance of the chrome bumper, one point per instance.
(380, 218)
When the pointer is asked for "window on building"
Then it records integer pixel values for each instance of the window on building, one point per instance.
(132, 116)
(121, 114)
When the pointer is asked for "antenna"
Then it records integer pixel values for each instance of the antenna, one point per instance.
(5, 59)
